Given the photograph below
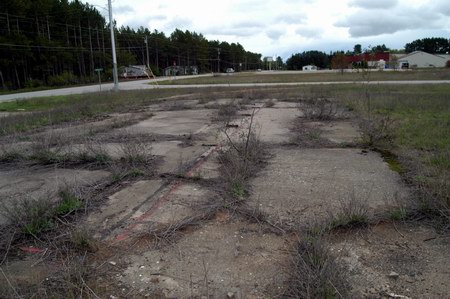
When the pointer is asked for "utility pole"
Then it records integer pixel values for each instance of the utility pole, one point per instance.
(113, 45)
(157, 62)
(146, 46)
(218, 60)
(48, 29)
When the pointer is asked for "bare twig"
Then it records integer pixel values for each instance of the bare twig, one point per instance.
(92, 292)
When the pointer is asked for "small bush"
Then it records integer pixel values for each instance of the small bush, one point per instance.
(226, 112)
(31, 216)
(377, 131)
(136, 153)
(269, 103)
(318, 109)
(10, 152)
(240, 160)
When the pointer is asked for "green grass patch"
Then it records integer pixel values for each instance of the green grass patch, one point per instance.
(238, 190)
(69, 203)
(398, 214)
(421, 136)
(34, 104)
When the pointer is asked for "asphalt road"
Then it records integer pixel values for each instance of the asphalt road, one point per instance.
(144, 84)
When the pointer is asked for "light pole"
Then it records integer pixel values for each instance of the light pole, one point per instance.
(113, 45)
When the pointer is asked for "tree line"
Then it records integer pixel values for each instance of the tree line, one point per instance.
(61, 42)
(434, 45)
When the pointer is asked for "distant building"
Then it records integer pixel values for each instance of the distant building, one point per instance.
(419, 59)
(309, 68)
(373, 60)
(133, 71)
(181, 70)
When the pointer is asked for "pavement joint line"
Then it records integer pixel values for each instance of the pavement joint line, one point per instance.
(128, 230)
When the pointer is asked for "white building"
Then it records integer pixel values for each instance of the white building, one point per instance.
(419, 59)
(309, 68)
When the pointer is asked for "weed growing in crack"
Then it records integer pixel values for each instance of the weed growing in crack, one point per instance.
(48, 148)
(136, 161)
(226, 112)
(314, 271)
(240, 159)
(308, 135)
(353, 213)
(135, 153)
(269, 103)
(319, 108)
(30, 216)
(377, 130)
(10, 151)
(33, 216)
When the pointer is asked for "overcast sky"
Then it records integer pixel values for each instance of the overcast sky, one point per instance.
(284, 27)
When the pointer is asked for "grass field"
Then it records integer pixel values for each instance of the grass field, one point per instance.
(273, 77)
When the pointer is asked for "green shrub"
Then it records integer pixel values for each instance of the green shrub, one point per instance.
(33, 83)
(66, 78)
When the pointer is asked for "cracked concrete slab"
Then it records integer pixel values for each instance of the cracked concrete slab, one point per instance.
(35, 184)
(272, 124)
(176, 122)
(303, 185)
(122, 204)
(337, 131)
(180, 204)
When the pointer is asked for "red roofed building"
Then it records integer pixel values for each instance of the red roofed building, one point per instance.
(373, 59)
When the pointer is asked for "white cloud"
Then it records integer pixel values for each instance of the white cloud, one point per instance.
(309, 32)
(371, 4)
(291, 26)
(376, 22)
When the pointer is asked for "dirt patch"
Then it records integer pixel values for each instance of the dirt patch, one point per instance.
(303, 185)
(217, 259)
(406, 259)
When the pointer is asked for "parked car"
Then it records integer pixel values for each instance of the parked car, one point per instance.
(230, 70)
